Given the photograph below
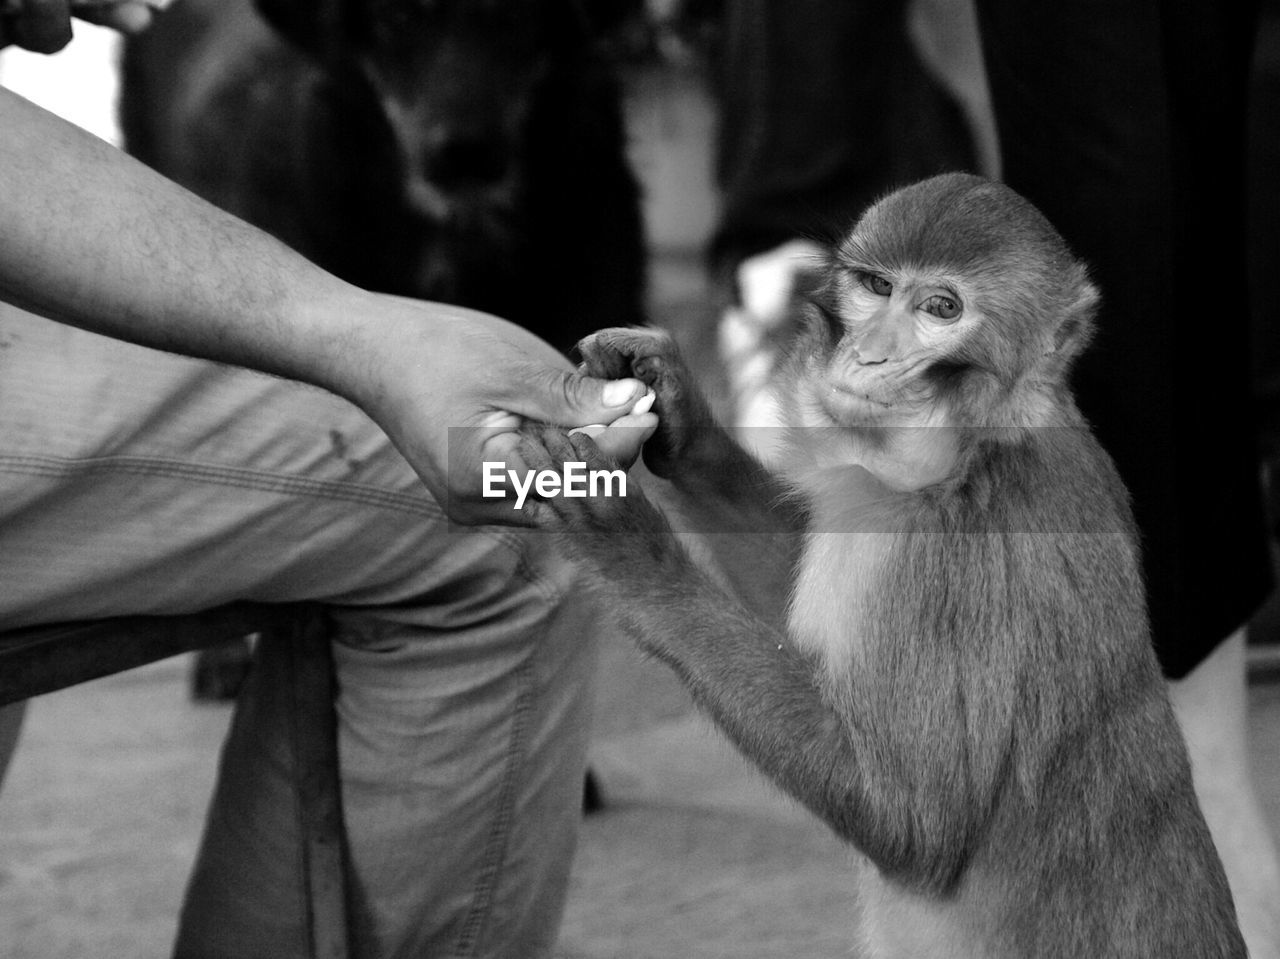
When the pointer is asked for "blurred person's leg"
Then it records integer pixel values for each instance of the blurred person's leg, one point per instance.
(10, 727)
(138, 482)
(1125, 124)
(1211, 704)
(824, 106)
(805, 91)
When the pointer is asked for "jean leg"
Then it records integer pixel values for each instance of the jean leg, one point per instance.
(134, 481)
(462, 755)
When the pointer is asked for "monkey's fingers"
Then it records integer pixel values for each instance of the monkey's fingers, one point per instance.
(584, 448)
(652, 357)
(549, 449)
(531, 445)
(613, 352)
(600, 359)
(537, 458)
(612, 509)
(546, 450)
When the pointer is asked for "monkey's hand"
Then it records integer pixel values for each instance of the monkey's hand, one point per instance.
(616, 534)
(686, 432)
(719, 490)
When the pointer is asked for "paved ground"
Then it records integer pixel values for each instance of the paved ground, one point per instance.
(695, 856)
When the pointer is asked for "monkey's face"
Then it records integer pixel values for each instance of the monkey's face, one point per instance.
(876, 334)
(949, 303)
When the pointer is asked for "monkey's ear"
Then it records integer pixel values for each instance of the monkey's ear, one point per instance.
(1075, 326)
(1075, 329)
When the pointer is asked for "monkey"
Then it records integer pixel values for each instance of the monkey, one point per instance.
(928, 624)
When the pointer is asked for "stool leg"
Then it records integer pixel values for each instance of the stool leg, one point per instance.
(316, 781)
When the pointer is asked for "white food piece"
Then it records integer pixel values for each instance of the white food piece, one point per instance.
(644, 404)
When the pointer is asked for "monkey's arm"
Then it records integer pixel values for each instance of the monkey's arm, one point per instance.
(718, 490)
(759, 688)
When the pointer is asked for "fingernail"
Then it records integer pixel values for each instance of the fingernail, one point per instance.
(618, 392)
(644, 404)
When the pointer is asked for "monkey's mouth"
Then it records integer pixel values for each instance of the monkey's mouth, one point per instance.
(844, 405)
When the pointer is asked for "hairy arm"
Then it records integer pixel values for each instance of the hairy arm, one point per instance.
(95, 239)
(717, 491)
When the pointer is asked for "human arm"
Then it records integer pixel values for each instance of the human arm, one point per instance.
(95, 239)
(44, 26)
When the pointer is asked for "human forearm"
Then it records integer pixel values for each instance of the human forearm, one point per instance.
(93, 238)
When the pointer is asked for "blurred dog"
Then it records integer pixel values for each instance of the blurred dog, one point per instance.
(468, 151)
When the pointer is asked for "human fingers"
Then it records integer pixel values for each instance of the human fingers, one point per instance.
(42, 26)
(127, 16)
(575, 399)
(622, 439)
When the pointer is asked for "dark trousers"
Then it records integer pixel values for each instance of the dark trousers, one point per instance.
(824, 107)
(1124, 122)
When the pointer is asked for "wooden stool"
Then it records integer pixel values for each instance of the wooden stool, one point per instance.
(42, 659)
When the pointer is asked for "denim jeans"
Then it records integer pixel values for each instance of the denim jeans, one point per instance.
(133, 481)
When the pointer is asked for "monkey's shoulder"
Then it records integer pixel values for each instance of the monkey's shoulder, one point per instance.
(1047, 479)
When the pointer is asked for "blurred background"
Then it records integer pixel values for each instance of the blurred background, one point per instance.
(692, 854)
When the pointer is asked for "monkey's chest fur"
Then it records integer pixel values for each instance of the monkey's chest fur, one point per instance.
(990, 664)
(832, 595)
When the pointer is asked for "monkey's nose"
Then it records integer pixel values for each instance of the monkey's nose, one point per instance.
(868, 358)
(876, 343)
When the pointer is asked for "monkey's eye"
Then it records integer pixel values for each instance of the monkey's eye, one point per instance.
(876, 284)
(943, 307)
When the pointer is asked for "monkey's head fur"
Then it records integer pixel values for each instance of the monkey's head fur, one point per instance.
(951, 303)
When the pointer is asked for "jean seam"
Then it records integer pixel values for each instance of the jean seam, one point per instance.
(497, 843)
(244, 478)
(55, 466)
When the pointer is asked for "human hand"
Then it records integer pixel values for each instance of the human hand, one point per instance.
(755, 332)
(687, 426)
(770, 282)
(452, 388)
(44, 26)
